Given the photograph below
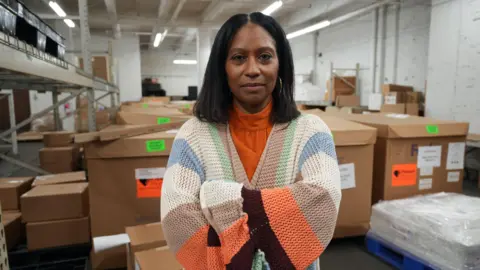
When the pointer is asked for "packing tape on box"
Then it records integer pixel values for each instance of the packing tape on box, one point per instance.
(102, 243)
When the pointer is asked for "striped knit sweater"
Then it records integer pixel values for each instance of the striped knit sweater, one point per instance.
(213, 217)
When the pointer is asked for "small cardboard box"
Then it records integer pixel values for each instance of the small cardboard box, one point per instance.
(393, 108)
(58, 233)
(157, 259)
(387, 88)
(109, 252)
(347, 101)
(58, 139)
(143, 237)
(11, 189)
(415, 155)
(163, 100)
(59, 159)
(354, 144)
(414, 97)
(14, 229)
(412, 109)
(55, 202)
(391, 98)
(61, 178)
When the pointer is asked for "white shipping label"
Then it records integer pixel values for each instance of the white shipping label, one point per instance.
(390, 100)
(429, 156)
(172, 131)
(149, 173)
(455, 156)
(453, 177)
(426, 171)
(425, 183)
(347, 175)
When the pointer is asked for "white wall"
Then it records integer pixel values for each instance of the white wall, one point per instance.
(351, 42)
(175, 79)
(126, 52)
(453, 85)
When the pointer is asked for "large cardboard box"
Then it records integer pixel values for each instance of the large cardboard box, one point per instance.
(387, 88)
(61, 178)
(157, 259)
(55, 202)
(125, 178)
(354, 144)
(169, 116)
(415, 155)
(58, 233)
(163, 100)
(58, 139)
(14, 229)
(143, 237)
(59, 159)
(11, 189)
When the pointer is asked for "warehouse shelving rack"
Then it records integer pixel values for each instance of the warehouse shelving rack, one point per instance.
(23, 66)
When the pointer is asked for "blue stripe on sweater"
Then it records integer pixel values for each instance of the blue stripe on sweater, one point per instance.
(184, 155)
(320, 142)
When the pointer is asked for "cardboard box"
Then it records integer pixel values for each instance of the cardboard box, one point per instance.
(393, 108)
(395, 98)
(412, 109)
(126, 118)
(387, 88)
(415, 155)
(55, 202)
(59, 159)
(103, 119)
(58, 233)
(125, 178)
(157, 259)
(414, 97)
(347, 101)
(11, 189)
(354, 144)
(109, 252)
(61, 178)
(143, 237)
(58, 139)
(14, 229)
(163, 100)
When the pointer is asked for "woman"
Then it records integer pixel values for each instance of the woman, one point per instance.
(251, 183)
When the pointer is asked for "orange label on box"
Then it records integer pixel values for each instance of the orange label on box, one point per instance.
(404, 175)
(149, 188)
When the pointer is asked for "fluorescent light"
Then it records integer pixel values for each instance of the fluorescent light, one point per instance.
(185, 62)
(54, 5)
(273, 7)
(309, 29)
(157, 40)
(70, 23)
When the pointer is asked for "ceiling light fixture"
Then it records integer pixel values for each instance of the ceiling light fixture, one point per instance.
(70, 23)
(273, 7)
(54, 5)
(185, 62)
(309, 29)
(157, 40)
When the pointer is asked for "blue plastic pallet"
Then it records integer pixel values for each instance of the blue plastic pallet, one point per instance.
(395, 256)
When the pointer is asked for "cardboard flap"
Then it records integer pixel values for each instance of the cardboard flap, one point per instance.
(61, 178)
(128, 118)
(13, 182)
(55, 190)
(350, 133)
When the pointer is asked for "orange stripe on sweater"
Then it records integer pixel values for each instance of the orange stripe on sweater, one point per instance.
(193, 254)
(214, 258)
(291, 228)
(234, 238)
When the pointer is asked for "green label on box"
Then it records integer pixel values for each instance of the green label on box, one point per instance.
(144, 105)
(187, 106)
(432, 129)
(155, 146)
(163, 120)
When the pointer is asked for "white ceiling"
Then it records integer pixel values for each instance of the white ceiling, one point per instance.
(181, 17)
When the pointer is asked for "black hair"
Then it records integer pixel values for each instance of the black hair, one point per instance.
(215, 98)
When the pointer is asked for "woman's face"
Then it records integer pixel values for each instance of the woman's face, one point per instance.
(252, 67)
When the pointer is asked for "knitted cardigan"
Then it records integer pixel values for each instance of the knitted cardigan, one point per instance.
(213, 217)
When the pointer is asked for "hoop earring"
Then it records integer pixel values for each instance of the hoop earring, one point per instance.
(281, 83)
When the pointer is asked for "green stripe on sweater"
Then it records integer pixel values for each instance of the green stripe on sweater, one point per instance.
(285, 155)
(220, 148)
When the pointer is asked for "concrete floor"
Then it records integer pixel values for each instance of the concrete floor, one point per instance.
(340, 254)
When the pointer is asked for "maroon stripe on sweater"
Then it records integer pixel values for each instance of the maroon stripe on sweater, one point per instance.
(261, 232)
(212, 238)
(244, 257)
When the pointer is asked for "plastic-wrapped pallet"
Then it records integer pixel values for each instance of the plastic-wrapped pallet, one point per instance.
(442, 229)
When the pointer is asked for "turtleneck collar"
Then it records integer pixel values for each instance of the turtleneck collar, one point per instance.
(243, 120)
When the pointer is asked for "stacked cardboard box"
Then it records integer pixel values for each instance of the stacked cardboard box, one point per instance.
(415, 155)
(340, 87)
(401, 99)
(56, 215)
(354, 144)
(61, 178)
(103, 117)
(59, 154)
(14, 228)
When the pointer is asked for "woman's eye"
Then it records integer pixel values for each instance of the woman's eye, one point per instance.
(238, 57)
(265, 57)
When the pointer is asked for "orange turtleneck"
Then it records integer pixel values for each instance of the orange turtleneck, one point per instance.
(250, 134)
